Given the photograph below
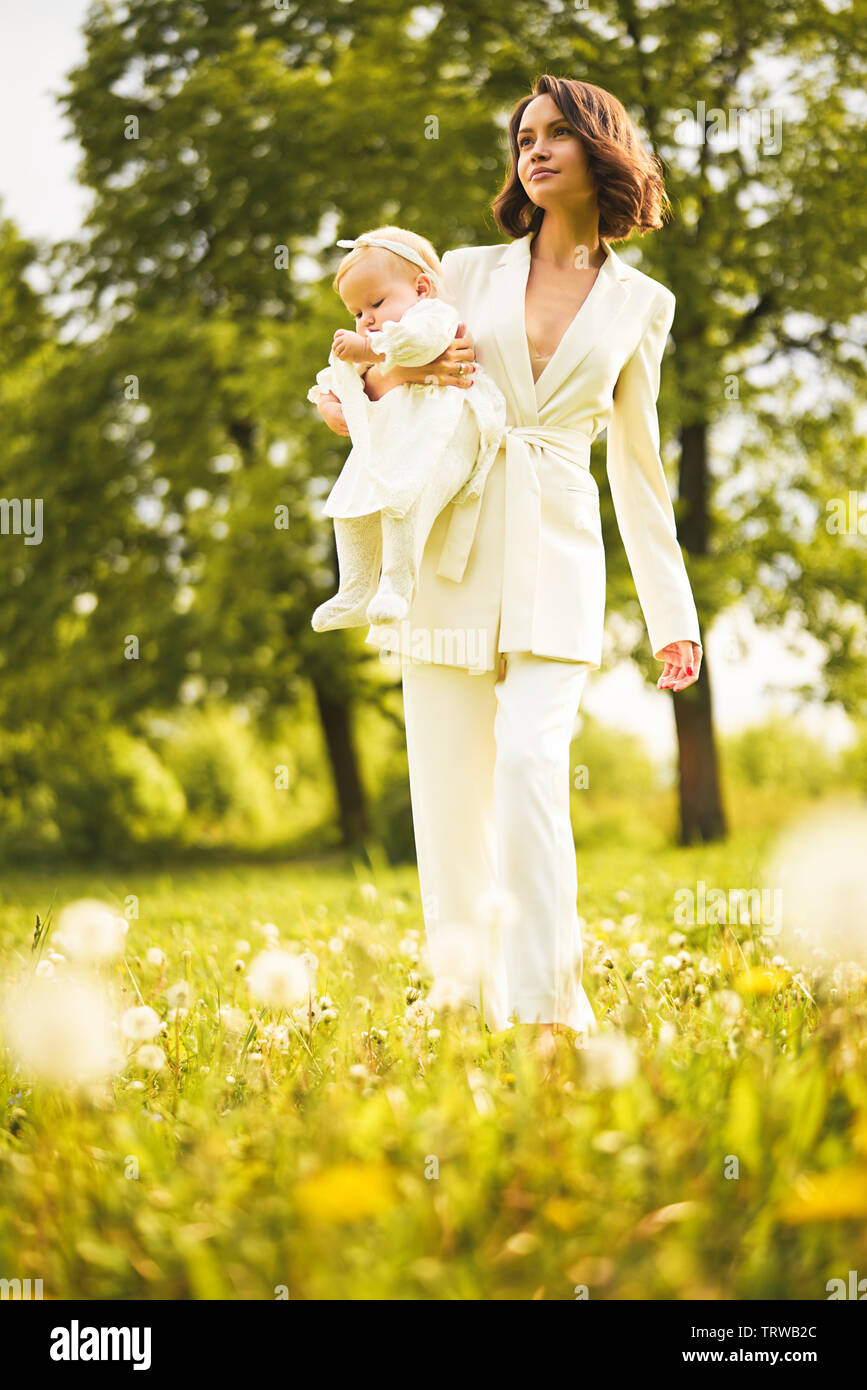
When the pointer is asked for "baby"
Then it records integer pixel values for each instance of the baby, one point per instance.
(417, 448)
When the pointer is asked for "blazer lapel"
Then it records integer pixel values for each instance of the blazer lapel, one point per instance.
(593, 320)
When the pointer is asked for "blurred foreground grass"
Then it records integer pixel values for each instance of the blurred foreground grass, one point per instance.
(375, 1151)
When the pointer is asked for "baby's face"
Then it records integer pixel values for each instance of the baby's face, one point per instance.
(373, 294)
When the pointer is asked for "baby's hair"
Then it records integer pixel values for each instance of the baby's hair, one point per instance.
(406, 238)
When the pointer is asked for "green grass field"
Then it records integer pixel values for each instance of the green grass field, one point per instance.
(373, 1151)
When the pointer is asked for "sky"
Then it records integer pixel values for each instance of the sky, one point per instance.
(40, 41)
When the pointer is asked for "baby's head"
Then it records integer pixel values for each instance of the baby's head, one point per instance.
(376, 284)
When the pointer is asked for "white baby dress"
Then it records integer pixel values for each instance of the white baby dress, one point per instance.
(415, 431)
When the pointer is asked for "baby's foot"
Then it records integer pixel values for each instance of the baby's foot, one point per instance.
(387, 607)
(338, 612)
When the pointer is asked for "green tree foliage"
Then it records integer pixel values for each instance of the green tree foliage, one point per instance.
(226, 147)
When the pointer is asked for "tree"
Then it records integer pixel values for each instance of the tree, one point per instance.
(215, 134)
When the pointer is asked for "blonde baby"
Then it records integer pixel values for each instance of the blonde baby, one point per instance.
(416, 449)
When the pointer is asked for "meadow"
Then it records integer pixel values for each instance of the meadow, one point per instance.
(710, 1143)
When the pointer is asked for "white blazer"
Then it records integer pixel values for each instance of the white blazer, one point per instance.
(523, 567)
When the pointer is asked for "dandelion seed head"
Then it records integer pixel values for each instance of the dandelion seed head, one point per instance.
(150, 1057)
(311, 963)
(820, 868)
(90, 931)
(60, 1030)
(140, 1024)
(609, 1061)
(732, 1004)
(233, 1020)
(279, 979)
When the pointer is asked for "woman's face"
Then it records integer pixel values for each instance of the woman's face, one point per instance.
(546, 141)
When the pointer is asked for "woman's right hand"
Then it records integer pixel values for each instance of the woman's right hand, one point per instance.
(331, 410)
(444, 370)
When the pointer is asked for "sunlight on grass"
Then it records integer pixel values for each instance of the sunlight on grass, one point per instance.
(711, 1143)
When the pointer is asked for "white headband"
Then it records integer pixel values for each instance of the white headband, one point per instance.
(399, 249)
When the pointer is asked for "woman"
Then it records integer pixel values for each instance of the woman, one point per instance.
(508, 615)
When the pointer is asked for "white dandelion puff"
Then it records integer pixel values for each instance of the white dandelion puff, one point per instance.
(305, 1014)
(311, 964)
(819, 869)
(90, 931)
(150, 1057)
(419, 1013)
(140, 1024)
(609, 1061)
(178, 996)
(459, 956)
(279, 979)
(233, 1020)
(60, 1029)
(731, 1003)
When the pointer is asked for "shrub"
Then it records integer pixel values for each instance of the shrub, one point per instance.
(114, 797)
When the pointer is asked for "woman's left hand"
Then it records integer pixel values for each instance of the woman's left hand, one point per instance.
(682, 663)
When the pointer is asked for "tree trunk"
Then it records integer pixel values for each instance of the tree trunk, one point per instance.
(336, 718)
(701, 810)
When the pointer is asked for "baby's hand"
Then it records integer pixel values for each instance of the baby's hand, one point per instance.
(331, 410)
(351, 347)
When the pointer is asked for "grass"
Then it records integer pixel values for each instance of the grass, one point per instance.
(359, 1153)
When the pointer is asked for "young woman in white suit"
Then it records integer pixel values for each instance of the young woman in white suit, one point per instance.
(508, 616)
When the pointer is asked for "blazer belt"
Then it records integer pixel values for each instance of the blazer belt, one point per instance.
(522, 488)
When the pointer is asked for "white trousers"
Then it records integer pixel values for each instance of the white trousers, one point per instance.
(489, 778)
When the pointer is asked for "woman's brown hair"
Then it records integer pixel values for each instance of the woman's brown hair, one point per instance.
(629, 187)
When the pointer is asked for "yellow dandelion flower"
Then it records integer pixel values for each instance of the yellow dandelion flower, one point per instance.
(562, 1212)
(758, 981)
(840, 1195)
(351, 1191)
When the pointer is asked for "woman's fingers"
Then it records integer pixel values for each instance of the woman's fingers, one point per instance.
(458, 360)
(459, 365)
(672, 673)
(676, 677)
(463, 338)
(682, 663)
